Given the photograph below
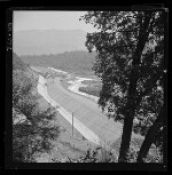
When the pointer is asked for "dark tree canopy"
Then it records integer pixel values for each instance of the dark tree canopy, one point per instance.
(116, 43)
(130, 62)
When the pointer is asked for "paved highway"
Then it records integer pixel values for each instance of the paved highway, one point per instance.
(86, 110)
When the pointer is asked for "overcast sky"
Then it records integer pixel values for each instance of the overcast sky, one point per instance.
(62, 20)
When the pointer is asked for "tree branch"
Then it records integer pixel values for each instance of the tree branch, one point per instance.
(151, 82)
(150, 137)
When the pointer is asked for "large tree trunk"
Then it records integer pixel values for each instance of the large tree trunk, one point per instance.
(132, 100)
(128, 120)
(126, 137)
(150, 137)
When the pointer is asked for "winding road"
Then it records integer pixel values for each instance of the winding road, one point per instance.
(85, 110)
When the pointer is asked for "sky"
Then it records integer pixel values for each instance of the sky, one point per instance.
(38, 20)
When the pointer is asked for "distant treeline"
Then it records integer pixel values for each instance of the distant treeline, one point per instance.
(80, 62)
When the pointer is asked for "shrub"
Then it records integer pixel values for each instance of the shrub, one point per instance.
(35, 133)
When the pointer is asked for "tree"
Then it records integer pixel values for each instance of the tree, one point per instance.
(130, 55)
(34, 133)
(151, 136)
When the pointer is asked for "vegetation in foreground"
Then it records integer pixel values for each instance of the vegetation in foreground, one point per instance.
(130, 60)
(33, 129)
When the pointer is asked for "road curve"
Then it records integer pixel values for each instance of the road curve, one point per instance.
(86, 110)
(85, 131)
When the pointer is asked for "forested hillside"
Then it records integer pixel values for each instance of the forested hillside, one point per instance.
(76, 62)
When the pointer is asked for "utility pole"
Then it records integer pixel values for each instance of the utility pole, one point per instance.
(72, 124)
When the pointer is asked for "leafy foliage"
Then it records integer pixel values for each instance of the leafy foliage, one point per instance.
(34, 132)
(130, 53)
(98, 155)
(115, 45)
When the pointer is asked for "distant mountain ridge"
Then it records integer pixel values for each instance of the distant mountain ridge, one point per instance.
(80, 62)
(38, 42)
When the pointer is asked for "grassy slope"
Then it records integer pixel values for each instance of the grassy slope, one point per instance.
(93, 87)
(135, 145)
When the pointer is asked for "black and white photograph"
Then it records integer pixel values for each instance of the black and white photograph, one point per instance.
(88, 86)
